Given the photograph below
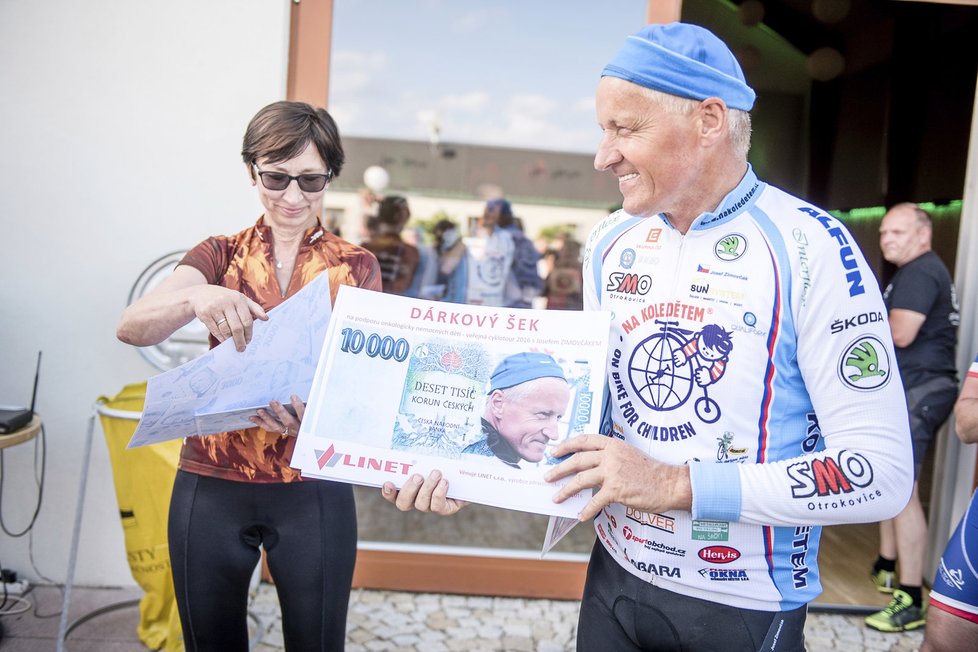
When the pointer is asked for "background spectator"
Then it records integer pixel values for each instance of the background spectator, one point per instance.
(523, 282)
(426, 275)
(491, 252)
(564, 286)
(453, 266)
(398, 259)
(923, 317)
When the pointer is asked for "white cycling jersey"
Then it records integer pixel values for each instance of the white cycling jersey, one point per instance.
(756, 349)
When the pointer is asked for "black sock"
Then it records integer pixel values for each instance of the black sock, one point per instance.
(882, 563)
(913, 592)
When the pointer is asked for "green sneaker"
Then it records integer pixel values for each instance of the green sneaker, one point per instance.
(884, 580)
(899, 616)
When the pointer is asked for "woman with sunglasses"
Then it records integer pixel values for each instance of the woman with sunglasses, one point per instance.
(235, 492)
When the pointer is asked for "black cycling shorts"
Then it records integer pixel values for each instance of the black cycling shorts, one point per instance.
(624, 613)
(929, 405)
(216, 528)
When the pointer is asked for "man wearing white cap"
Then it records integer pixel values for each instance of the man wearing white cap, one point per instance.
(709, 495)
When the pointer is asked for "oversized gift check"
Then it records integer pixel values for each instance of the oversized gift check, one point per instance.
(483, 394)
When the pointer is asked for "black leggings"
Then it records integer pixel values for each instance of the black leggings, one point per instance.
(216, 527)
(624, 613)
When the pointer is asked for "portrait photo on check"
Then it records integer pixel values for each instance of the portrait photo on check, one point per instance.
(462, 401)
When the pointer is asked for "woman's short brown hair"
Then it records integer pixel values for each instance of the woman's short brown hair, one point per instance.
(282, 130)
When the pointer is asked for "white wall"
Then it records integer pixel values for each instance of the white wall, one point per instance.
(121, 126)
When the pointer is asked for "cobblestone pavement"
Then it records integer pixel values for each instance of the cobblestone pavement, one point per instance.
(425, 622)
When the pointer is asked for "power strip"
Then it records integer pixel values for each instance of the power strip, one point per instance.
(20, 587)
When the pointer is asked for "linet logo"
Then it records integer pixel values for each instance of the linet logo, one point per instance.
(719, 554)
(331, 458)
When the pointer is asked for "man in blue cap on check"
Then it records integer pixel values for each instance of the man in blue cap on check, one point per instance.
(709, 496)
(527, 397)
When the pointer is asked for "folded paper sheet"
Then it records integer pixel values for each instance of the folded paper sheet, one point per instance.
(221, 389)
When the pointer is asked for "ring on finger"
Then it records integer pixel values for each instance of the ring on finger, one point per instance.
(220, 321)
(286, 431)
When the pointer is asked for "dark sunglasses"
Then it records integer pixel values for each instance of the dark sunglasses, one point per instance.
(281, 181)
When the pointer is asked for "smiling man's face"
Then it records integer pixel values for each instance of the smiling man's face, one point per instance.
(530, 423)
(652, 151)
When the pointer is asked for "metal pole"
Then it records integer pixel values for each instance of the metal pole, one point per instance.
(73, 554)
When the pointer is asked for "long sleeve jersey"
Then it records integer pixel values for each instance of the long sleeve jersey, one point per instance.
(754, 348)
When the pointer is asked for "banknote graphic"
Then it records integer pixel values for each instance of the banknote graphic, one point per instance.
(444, 394)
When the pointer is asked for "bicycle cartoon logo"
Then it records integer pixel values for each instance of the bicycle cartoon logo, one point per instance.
(667, 365)
(725, 450)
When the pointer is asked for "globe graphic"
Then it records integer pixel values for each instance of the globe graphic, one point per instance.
(659, 383)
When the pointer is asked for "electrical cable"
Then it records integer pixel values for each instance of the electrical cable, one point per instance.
(6, 611)
(41, 576)
(39, 445)
(95, 613)
(40, 449)
(53, 614)
(30, 555)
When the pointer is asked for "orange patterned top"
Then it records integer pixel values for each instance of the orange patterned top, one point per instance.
(243, 262)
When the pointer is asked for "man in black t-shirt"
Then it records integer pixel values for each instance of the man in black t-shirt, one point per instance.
(923, 314)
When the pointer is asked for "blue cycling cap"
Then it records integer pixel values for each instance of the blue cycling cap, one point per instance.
(684, 60)
(522, 367)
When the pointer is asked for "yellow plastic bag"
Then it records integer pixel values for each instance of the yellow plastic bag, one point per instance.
(143, 480)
